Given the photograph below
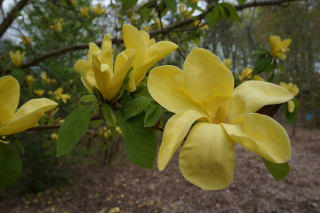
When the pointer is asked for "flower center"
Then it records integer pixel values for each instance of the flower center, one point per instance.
(219, 116)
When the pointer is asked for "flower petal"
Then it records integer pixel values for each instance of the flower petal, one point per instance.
(154, 54)
(207, 159)
(9, 98)
(274, 42)
(92, 49)
(167, 86)
(175, 131)
(286, 43)
(146, 37)
(152, 42)
(262, 135)
(250, 96)
(208, 80)
(133, 40)
(291, 106)
(107, 50)
(123, 63)
(87, 74)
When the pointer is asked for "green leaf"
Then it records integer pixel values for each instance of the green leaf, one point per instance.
(291, 116)
(73, 128)
(136, 106)
(152, 116)
(223, 14)
(89, 98)
(231, 12)
(19, 145)
(241, 1)
(213, 17)
(171, 4)
(261, 64)
(269, 69)
(10, 165)
(278, 171)
(145, 13)
(108, 115)
(140, 142)
(127, 4)
(144, 92)
(280, 68)
(259, 52)
(96, 123)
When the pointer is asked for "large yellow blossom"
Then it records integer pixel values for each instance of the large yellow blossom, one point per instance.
(27, 116)
(293, 88)
(278, 48)
(26, 39)
(148, 52)
(17, 58)
(98, 70)
(59, 95)
(204, 92)
(98, 10)
(247, 75)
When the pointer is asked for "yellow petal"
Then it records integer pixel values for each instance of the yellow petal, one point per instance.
(123, 64)
(207, 159)
(262, 135)
(207, 79)
(274, 42)
(87, 74)
(107, 50)
(294, 90)
(286, 43)
(133, 40)
(42, 104)
(146, 37)
(131, 85)
(22, 123)
(92, 49)
(250, 96)
(9, 98)
(102, 74)
(152, 42)
(281, 56)
(167, 86)
(291, 106)
(154, 54)
(284, 85)
(175, 131)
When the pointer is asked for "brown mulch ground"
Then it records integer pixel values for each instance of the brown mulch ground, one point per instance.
(133, 189)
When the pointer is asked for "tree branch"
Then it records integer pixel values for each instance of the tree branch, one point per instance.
(11, 16)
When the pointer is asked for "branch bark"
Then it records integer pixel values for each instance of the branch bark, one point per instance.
(11, 16)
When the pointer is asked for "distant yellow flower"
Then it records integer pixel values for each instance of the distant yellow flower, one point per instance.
(193, 1)
(188, 14)
(98, 10)
(247, 75)
(227, 63)
(157, 21)
(278, 47)
(29, 79)
(196, 23)
(39, 92)
(206, 27)
(118, 130)
(17, 58)
(114, 210)
(181, 7)
(27, 116)
(258, 78)
(26, 39)
(58, 23)
(84, 12)
(59, 95)
(293, 88)
(44, 77)
(73, 2)
(54, 136)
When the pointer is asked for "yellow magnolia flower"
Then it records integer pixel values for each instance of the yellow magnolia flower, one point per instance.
(98, 70)
(59, 95)
(148, 53)
(227, 63)
(278, 47)
(73, 2)
(27, 116)
(25, 39)
(181, 7)
(44, 77)
(54, 136)
(29, 79)
(39, 92)
(58, 23)
(17, 58)
(293, 88)
(118, 130)
(204, 92)
(98, 10)
(84, 12)
(204, 26)
(247, 75)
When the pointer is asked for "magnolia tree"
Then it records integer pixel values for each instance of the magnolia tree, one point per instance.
(213, 107)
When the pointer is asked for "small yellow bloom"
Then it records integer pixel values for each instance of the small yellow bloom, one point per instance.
(114, 210)
(73, 2)
(204, 92)
(59, 95)
(39, 92)
(118, 130)
(278, 48)
(98, 10)
(84, 12)
(29, 80)
(57, 26)
(25, 39)
(247, 75)
(54, 136)
(227, 63)
(157, 21)
(17, 58)
(206, 27)
(27, 116)
(258, 78)
(293, 88)
(181, 7)
(44, 77)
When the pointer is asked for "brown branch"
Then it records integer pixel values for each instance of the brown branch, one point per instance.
(11, 16)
